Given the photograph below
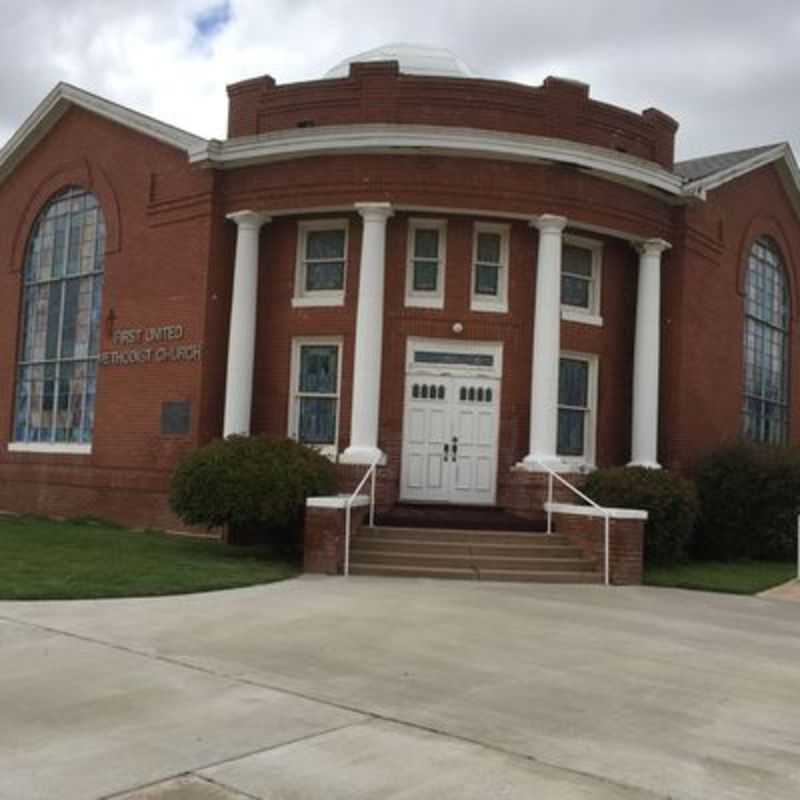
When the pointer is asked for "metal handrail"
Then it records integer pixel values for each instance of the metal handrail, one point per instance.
(370, 473)
(551, 473)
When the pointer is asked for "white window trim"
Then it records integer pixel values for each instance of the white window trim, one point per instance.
(592, 315)
(587, 460)
(301, 297)
(53, 448)
(424, 299)
(478, 302)
(330, 450)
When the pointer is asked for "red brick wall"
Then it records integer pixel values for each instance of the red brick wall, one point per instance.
(158, 213)
(170, 260)
(703, 313)
(278, 323)
(376, 92)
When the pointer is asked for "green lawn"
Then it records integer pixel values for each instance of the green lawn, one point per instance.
(44, 559)
(737, 577)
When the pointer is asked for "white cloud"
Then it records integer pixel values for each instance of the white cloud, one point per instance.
(727, 73)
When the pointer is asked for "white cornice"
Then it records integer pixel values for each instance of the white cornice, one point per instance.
(55, 105)
(386, 138)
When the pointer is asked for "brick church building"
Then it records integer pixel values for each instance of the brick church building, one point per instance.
(468, 281)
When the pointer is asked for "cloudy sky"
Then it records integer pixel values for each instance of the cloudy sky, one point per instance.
(728, 70)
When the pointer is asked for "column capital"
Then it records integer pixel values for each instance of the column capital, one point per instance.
(549, 223)
(249, 219)
(652, 247)
(374, 211)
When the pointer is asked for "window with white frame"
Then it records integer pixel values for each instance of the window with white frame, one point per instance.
(314, 403)
(490, 268)
(321, 263)
(577, 401)
(59, 342)
(425, 273)
(581, 273)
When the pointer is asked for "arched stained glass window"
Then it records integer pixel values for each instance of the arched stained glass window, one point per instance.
(766, 346)
(59, 341)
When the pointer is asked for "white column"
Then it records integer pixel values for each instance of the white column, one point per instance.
(646, 356)
(242, 331)
(546, 345)
(366, 401)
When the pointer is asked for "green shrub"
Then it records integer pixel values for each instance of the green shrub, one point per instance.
(248, 483)
(670, 500)
(749, 500)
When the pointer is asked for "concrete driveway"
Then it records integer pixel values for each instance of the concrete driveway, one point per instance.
(334, 689)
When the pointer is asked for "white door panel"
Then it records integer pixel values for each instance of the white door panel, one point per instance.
(450, 439)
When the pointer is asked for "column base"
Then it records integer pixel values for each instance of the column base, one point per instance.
(644, 464)
(534, 463)
(363, 455)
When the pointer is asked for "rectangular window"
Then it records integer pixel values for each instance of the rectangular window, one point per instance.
(314, 411)
(576, 406)
(581, 267)
(426, 263)
(490, 268)
(321, 263)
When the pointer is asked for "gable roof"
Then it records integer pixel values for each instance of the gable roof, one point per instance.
(696, 168)
(56, 104)
(701, 175)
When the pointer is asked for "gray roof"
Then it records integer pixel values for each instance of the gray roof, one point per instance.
(697, 168)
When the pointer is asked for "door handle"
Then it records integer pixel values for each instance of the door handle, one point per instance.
(455, 448)
(446, 452)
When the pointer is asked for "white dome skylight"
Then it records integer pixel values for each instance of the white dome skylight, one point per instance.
(414, 59)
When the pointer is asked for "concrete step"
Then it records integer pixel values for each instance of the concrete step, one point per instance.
(367, 543)
(521, 576)
(412, 558)
(465, 536)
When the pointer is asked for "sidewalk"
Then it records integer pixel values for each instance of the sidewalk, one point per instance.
(786, 591)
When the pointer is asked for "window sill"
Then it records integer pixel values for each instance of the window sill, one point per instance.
(311, 301)
(488, 306)
(578, 464)
(582, 317)
(52, 449)
(424, 302)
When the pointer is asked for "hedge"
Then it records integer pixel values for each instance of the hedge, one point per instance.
(670, 500)
(749, 500)
(249, 482)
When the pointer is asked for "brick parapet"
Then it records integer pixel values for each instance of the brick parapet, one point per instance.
(378, 92)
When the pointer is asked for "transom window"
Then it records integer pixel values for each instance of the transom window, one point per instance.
(425, 272)
(59, 342)
(490, 268)
(315, 393)
(766, 351)
(576, 401)
(321, 263)
(581, 264)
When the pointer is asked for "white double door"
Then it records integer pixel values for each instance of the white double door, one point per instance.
(450, 439)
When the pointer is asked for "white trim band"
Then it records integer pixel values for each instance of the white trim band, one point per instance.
(381, 137)
(337, 501)
(52, 448)
(590, 511)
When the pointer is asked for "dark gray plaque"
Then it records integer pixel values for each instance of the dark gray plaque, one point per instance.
(176, 417)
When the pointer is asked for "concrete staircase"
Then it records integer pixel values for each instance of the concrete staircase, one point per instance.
(499, 555)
